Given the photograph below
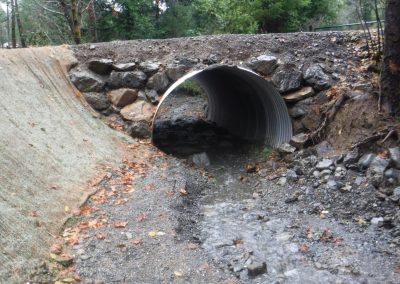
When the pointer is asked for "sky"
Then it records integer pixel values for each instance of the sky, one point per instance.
(3, 6)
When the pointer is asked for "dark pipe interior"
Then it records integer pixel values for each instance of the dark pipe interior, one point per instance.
(240, 104)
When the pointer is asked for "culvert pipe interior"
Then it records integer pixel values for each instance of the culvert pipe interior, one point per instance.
(243, 103)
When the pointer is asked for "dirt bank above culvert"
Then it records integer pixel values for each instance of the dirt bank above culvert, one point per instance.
(50, 147)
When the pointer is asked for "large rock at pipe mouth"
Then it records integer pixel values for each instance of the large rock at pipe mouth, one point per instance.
(139, 129)
(264, 64)
(132, 79)
(100, 66)
(316, 77)
(124, 67)
(122, 97)
(149, 67)
(158, 82)
(287, 79)
(138, 111)
(299, 95)
(97, 101)
(174, 72)
(86, 81)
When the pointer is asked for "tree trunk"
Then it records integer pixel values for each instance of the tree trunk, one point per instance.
(92, 21)
(13, 35)
(390, 79)
(20, 28)
(75, 22)
(8, 24)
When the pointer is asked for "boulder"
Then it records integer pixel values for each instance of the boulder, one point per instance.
(124, 67)
(86, 81)
(152, 96)
(158, 82)
(286, 149)
(351, 158)
(298, 110)
(149, 67)
(316, 77)
(174, 72)
(324, 164)
(264, 64)
(395, 157)
(378, 166)
(139, 129)
(97, 101)
(365, 161)
(200, 160)
(132, 79)
(299, 140)
(299, 95)
(393, 174)
(311, 121)
(188, 62)
(138, 111)
(100, 66)
(287, 79)
(122, 97)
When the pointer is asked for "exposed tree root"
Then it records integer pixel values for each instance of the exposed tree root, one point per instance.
(328, 116)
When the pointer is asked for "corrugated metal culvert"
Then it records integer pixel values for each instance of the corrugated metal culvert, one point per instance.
(242, 102)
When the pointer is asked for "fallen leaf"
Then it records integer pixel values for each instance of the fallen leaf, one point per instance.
(56, 248)
(192, 246)
(76, 277)
(149, 186)
(76, 211)
(120, 224)
(178, 274)
(120, 245)
(169, 193)
(141, 217)
(242, 178)
(152, 234)
(204, 266)
(121, 201)
(100, 236)
(237, 242)
(137, 242)
(33, 214)
(253, 167)
(95, 181)
(86, 210)
(338, 240)
(303, 248)
(128, 189)
(183, 191)
(66, 209)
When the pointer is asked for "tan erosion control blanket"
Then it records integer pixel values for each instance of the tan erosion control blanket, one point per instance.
(50, 147)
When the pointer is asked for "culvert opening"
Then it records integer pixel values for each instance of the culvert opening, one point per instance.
(218, 108)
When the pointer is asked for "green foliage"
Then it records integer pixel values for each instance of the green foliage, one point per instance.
(227, 16)
(136, 19)
(125, 19)
(192, 88)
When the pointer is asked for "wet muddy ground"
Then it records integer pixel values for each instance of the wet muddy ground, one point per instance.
(160, 218)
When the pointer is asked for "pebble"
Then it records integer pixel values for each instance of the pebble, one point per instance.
(256, 268)
(332, 184)
(324, 164)
(282, 181)
(377, 221)
(84, 257)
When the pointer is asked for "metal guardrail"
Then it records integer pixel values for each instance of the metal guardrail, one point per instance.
(352, 26)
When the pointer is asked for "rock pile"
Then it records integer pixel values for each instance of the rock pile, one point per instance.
(128, 90)
(363, 187)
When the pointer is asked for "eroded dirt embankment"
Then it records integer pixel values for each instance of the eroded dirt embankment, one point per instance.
(50, 147)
